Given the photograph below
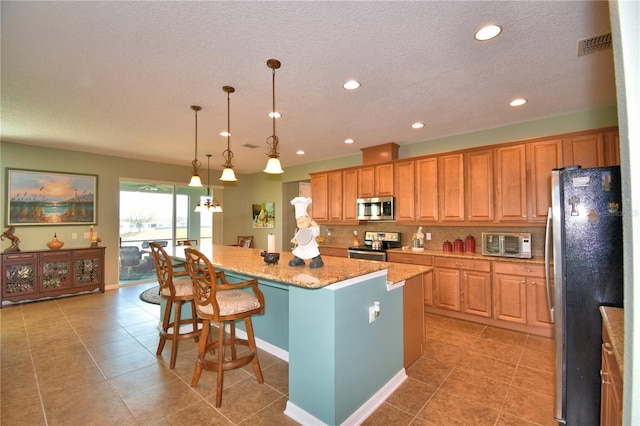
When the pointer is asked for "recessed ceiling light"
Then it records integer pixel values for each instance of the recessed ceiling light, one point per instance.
(488, 32)
(300, 152)
(351, 85)
(225, 134)
(518, 102)
(349, 141)
(417, 125)
(274, 114)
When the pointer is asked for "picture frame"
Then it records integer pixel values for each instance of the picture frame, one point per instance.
(263, 215)
(36, 197)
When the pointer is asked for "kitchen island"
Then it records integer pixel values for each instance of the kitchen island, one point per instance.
(341, 365)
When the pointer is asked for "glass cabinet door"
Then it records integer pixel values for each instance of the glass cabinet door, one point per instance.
(54, 274)
(87, 271)
(20, 277)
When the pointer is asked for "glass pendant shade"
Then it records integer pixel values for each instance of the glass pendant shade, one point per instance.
(195, 181)
(210, 205)
(198, 208)
(228, 175)
(195, 176)
(273, 166)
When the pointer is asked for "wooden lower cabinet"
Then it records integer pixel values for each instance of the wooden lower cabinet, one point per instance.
(33, 275)
(333, 251)
(520, 294)
(417, 259)
(413, 318)
(611, 385)
(463, 285)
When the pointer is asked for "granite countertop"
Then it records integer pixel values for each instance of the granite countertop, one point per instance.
(477, 256)
(249, 262)
(613, 320)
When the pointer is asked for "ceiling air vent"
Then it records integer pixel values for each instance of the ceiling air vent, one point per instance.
(248, 145)
(594, 44)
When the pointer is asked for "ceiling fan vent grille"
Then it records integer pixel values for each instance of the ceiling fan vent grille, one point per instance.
(594, 44)
(248, 145)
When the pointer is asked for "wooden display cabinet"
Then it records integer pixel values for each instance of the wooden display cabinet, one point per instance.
(33, 275)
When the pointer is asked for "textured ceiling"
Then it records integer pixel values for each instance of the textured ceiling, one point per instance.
(118, 78)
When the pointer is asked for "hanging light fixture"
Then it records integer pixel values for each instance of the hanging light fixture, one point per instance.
(211, 205)
(195, 174)
(273, 165)
(228, 174)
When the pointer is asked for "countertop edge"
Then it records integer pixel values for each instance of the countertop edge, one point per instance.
(613, 320)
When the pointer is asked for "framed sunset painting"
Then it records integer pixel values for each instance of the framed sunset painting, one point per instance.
(50, 198)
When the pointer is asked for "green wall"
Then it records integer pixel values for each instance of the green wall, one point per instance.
(236, 198)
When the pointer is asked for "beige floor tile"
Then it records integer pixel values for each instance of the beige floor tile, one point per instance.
(492, 368)
(200, 413)
(388, 414)
(451, 338)
(411, 396)
(529, 405)
(466, 327)
(134, 382)
(504, 336)
(535, 380)
(277, 376)
(429, 371)
(242, 399)
(446, 409)
(443, 352)
(509, 420)
(125, 363)
(272, 414)
(538, 360)
(477, 388)
(540, 344)
(502, 351)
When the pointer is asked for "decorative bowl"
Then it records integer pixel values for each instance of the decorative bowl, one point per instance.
(55, 245)
(320, 240)
(270, 258)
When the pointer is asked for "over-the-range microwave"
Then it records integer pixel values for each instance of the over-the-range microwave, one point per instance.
(377, 208)
(510, 244)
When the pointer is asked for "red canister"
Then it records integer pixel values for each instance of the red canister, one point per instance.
(446, 247)
(470, 244)
(458, 246)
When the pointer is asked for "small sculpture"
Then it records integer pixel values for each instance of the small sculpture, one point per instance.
(15, 241)
(305, 238)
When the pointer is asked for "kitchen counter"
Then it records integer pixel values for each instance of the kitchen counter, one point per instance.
(249, 262)
(479, 256)
(613, 320)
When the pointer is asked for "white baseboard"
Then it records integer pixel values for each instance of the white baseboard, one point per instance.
(264, 345)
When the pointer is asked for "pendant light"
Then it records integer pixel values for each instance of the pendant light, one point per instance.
(211, 205)
(195, 174)
(273, 165)
(228, 174)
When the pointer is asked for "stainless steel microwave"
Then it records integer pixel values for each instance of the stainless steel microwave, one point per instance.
(515, 244)
(378, 208)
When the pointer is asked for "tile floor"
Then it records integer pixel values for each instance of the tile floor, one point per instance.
(90, 360)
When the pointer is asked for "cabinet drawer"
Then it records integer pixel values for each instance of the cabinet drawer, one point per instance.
(333, 251)
(515, 268)
(19, 256)
(413, 259)
(458, 263)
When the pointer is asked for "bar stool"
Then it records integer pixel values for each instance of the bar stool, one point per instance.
(176, 288)
(221, 302)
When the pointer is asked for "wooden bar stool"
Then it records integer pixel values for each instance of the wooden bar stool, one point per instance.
(176, 288)
(221, 302)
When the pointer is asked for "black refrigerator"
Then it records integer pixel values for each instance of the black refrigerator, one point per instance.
(586, 236)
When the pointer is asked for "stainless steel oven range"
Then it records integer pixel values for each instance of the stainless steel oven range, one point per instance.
(376, 245)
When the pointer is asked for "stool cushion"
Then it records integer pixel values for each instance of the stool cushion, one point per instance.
(183, 286)
(232, 302)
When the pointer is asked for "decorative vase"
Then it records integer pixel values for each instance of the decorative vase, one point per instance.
(55, 244)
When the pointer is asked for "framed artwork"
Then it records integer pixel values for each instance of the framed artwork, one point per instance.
(50, 198)
(264, 215)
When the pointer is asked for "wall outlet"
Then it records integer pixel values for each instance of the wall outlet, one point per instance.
(74, 235)
(372, 314)
(86, 235)
(429, 236)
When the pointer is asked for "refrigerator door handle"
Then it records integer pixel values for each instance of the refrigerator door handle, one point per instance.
(547, 265)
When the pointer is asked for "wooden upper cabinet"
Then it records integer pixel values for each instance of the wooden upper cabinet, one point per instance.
(585, 150)
(349, 195)
(511, 183)
(405, 190)
(451, 187)
(335, 196)
(612, 148)
(320, 197)
(542, 158)
(374, 181)
(478, 168)
(426, 185)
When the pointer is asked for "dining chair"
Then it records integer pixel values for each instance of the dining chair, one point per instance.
(177, 289)
(222, 302)
(187, 242)
(245, 241)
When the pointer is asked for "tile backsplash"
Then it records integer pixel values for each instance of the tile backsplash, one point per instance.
(439, 234)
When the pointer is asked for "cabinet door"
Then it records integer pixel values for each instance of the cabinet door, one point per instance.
(476, 293)
(384, 180)
(510, 298)
(319, 195)
(335, 196)
(612, 148)
(537, 303)
(511, 184)
(427, 189)
(350, 195)
(585, 150)
(19, 274)
(88, 269)
(55, 271)
(413, 319)
(447, 285)
(366, 181)
(428, 288)
(611, 385)
(405, 191)
(478, 170)
(451, 187)
(542, 157)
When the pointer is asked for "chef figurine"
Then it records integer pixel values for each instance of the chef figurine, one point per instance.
(305, 238)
